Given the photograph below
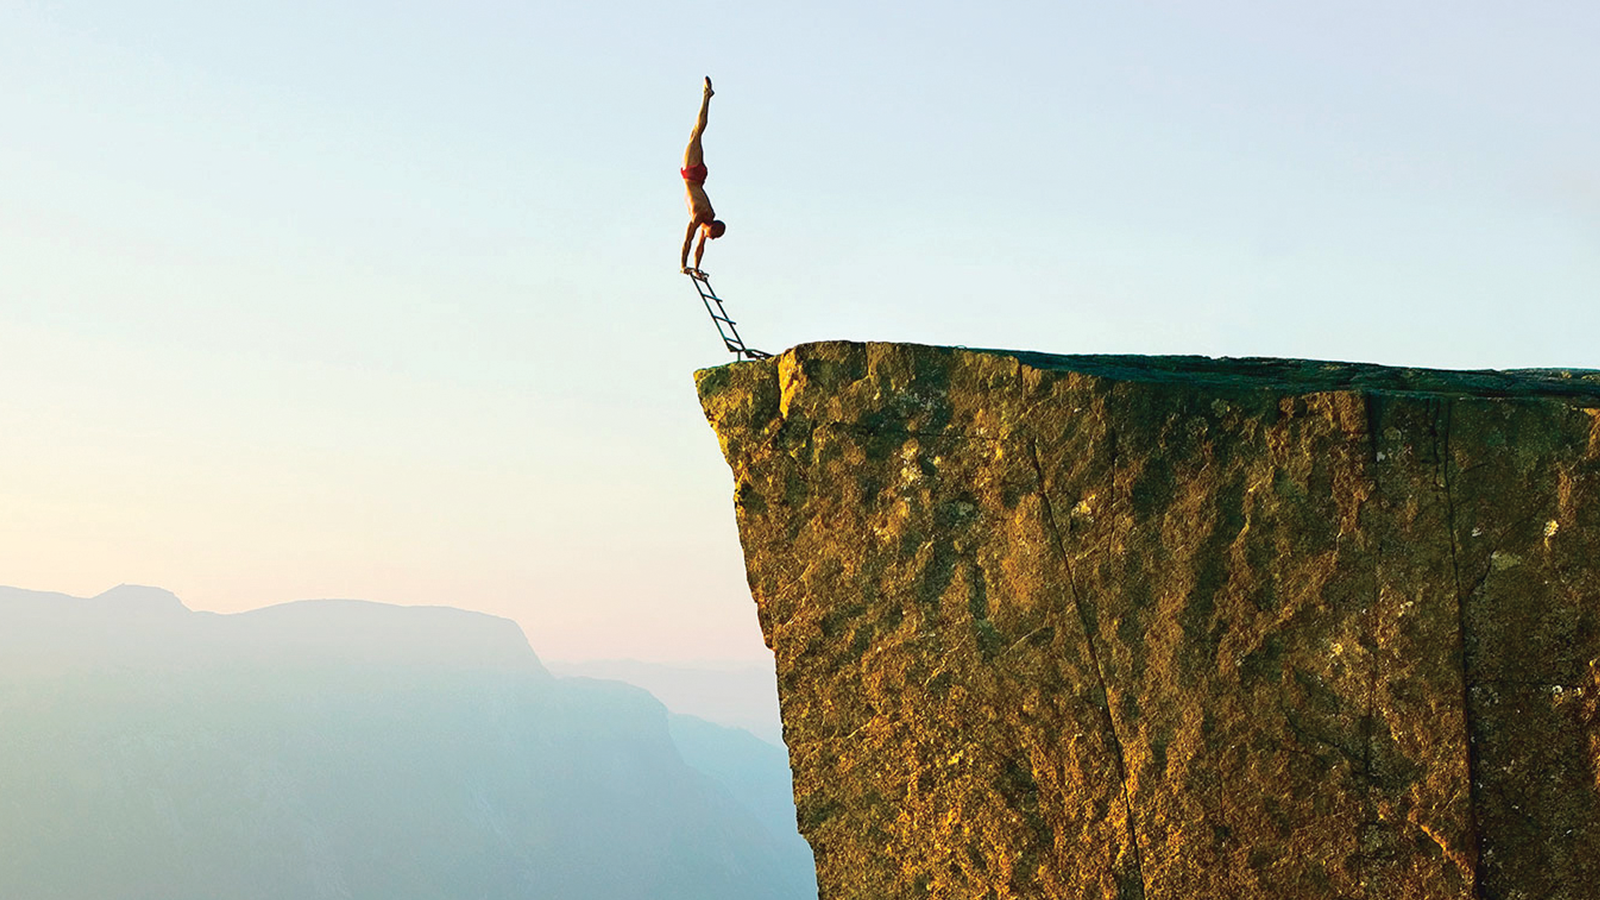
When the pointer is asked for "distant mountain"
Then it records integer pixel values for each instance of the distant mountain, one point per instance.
(739, 695)
(755, 772)
(341, 749)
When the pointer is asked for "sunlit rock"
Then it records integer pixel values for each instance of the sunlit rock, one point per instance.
(1123, 627)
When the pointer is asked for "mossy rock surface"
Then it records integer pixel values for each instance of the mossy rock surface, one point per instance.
(1133, 627)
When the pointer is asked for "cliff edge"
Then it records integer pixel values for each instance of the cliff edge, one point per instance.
(1172, 627)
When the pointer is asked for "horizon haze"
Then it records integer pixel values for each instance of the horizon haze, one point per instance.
(336, 749)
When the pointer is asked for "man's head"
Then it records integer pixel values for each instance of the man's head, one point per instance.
(716, 228)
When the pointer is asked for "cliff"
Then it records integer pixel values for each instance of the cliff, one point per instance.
(1126, 627)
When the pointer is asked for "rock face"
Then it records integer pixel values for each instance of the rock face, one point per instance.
(1129, 627)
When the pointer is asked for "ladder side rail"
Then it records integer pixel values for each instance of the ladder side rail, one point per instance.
(709, 296)
(718, 321)
(720, 316)
(731, 340)
(734, 343)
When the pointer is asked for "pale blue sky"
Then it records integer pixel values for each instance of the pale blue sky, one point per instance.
(380, 300)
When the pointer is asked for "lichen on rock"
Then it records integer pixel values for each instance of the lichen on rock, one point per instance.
(1172, 627)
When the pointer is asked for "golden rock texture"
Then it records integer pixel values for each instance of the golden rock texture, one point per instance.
(1171, 627)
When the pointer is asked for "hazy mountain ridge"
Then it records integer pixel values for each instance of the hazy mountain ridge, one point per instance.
(346, 749)
(738, 695)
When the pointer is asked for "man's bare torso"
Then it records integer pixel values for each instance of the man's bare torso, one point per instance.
(699, 204)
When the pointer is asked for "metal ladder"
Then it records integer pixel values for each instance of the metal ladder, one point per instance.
(719, 316)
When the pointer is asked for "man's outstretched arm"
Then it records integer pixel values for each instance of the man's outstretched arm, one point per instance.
(700, 249)
(688, 238)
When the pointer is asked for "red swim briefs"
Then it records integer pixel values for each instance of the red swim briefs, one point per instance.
(694, 174)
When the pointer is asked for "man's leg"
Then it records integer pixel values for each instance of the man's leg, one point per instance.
(693, 155)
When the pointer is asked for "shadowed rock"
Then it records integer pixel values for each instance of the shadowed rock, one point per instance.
(1129, 627)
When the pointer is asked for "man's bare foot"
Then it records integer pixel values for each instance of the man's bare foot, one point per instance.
(709, 91)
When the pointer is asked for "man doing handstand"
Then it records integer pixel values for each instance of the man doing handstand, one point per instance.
(701, 215)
